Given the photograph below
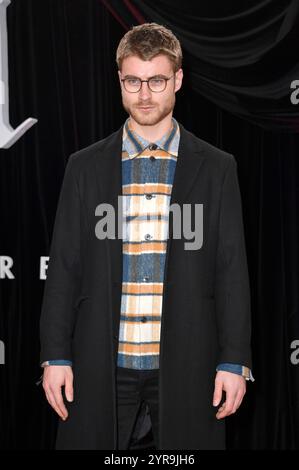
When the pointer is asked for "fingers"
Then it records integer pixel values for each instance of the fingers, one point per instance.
(234, 386)
(227, 407)
(60, 410)
(230, 406)
(55, 377)
(221, 410)
(59, 402)
(217, 392)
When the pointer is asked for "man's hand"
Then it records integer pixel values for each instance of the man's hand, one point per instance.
(53, 379)
(235, 387)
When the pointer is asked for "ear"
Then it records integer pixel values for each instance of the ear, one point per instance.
(178, 79)
(119, 76)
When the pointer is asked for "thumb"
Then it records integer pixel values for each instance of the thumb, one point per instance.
(69, 391)
(217, 393)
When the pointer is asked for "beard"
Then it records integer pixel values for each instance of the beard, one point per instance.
(150, 117)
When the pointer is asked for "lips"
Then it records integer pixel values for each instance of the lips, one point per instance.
(145, 107)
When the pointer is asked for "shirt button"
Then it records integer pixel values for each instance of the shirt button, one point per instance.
(148, 236)
(153, 146)
(148, 196)
(152, 158)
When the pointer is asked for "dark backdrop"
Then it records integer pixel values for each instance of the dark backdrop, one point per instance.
(239, 61)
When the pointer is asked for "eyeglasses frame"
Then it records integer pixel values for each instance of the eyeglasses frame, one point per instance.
(141, 81)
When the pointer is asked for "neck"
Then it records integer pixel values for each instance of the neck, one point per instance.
(155, 132)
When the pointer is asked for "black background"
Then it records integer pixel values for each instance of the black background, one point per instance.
(239, 61)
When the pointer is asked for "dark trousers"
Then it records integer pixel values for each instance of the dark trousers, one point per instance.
(137, 408)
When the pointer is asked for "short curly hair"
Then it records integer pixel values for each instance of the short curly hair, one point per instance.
(147, 41)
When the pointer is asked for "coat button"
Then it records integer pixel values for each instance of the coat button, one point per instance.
(152, 158)
(143, 319)
(148, 196)
(146, 278)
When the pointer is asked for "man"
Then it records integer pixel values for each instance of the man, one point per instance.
(146, 324)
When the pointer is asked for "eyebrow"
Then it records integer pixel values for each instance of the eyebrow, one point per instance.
(160, 75)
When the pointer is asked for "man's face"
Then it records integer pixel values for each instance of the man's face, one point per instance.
(160, 104)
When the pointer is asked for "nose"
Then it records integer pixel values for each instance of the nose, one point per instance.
(144, 90)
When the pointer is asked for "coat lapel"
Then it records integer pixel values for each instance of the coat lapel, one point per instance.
(190, 158)
(109, 179)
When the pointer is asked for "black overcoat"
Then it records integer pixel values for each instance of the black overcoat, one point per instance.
(206, 297)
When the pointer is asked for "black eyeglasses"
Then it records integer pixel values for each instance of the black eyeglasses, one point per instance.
(156, 84)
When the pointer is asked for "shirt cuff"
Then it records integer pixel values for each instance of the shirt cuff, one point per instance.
(236, 369)
(57, 362)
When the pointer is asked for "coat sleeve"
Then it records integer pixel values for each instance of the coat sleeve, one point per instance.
(232, 290)
(58, 312)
